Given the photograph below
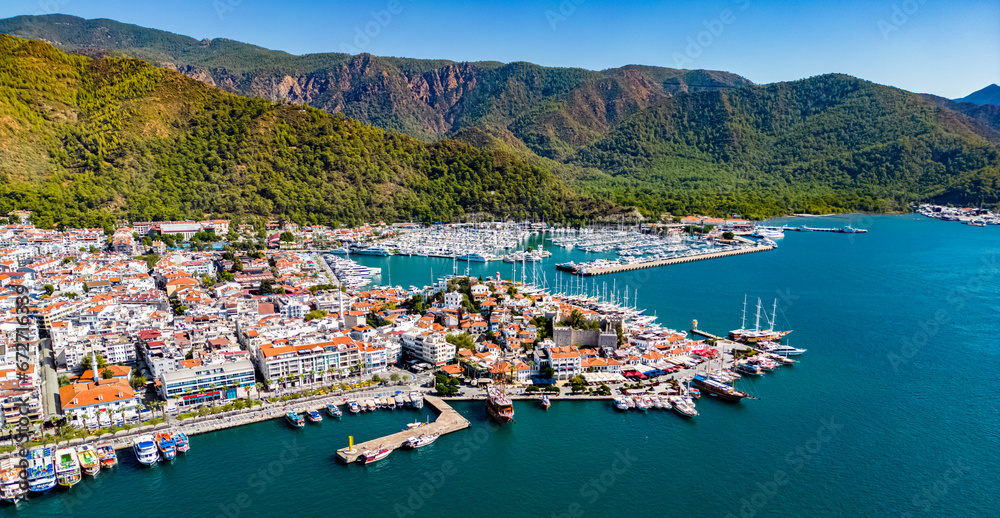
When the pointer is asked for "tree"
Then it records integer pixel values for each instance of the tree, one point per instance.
(394, 377)
(287, 237)
(86, 363)
(266, 287)
(728, 235)
(107, 373)
(137, 381)
(71, 295)
(578, 383)
(237, 264)
(64, 380)
(314, 314)
(548, 373)
(462, 341)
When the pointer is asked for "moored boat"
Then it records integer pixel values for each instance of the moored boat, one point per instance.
(419, 441)
(545, 401)
(10, 481)
(181, 442)
(370, 456)
(683, 406)
(313, 416)
(620, 404)
(166, 446)
(751, 369)
(354, 406)
(67, 467)
(106, 452)
(41, 470)
(417, 399)
(145, 449)
(333, 410)
(295, 419)
(499, 406)
(718, 389)
(90, 462)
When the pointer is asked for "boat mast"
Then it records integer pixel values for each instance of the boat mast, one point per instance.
(774, 313)
(743, 326)
(756, 324)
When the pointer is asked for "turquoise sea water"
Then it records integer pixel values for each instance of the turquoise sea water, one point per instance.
(891, 412)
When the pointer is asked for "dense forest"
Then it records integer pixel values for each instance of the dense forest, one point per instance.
(86, 140)
(825, 144)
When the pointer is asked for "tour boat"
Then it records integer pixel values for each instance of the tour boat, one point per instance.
(354, 406)
(545, 401)
(166, 445)
(398, 398)
(67, 467)
(417, 399)
(629, 402)
(683, 406)
(333, 410)
(422, 440)
(783, 350)
(181, 442)
(313, 416)
(752, 369)
(145, 449)
(10, 481)
(41, 470)
(620, 403)
(374, 455)
(718, 389)
(757, 335)
(641, 403)
(106, 452)
(90, 462)
(295, 419)
(499, 406)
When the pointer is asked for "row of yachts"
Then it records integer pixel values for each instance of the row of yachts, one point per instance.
(683, 405)
(297, 418)
(46, 467)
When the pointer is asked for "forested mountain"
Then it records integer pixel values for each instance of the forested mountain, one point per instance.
(822, 144)
(85, 140)
(549, 108)
(660, 139)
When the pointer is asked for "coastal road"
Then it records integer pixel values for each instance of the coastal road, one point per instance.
(49, 379)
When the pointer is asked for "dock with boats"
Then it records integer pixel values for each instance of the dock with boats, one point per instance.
(638, 265)
(448, 420)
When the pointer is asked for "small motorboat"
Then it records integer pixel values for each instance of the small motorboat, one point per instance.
(545, 401)
(370, 456)
(333, 410)
(422, 440)
(313, 416)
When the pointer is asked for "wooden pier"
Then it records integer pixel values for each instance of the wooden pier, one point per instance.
(676, 260)
(448, 420)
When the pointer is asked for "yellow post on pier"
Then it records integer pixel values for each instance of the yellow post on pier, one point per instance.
(350, 443)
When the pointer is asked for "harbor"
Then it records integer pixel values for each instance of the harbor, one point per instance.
(448, 421)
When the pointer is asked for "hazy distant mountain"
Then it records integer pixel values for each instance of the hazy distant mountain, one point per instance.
(988, 95)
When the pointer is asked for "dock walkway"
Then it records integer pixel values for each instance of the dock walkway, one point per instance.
(448, 420)
(664, 262)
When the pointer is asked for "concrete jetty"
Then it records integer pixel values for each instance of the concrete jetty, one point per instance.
(616, 268)
(448, 420)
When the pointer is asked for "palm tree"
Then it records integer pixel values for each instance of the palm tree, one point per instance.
(258, 386)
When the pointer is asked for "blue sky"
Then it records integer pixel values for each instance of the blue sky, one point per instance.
(948, 48)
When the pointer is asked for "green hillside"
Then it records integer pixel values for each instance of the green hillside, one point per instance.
(85, 140)
(824, 144)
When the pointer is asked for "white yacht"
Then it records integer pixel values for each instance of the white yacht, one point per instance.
(145, 449)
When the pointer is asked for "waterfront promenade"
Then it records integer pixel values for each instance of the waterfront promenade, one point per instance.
(448, 420)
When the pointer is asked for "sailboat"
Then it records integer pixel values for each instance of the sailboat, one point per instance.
(757, 334)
